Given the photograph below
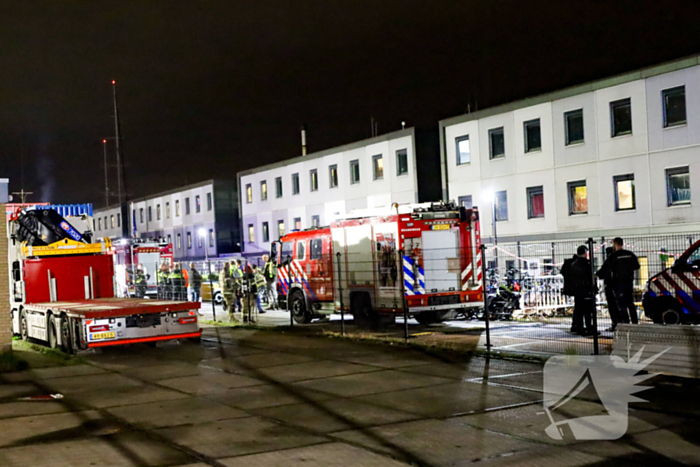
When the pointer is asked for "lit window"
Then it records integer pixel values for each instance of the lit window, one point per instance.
(189, 240)
(263, 190)
(197, 204)
(378, 167)
(211, 237)
(297, 223)
(621, 118)
(674, 106)
(573, 127)
(99, 224)
(354, 172)
(158, 212)
(210, 205)
(177, 208)
(295, 184)
(170, 239)
(497, 144)
(501, 200)
(535, 202)
(249, 193)
(265, 232)
(533, 136)
(251, 233)
(313, 179)
(464, 155)
(278, 187)
(466, 201)
(111, 221)
(280, 229)
(333, 176)
(315, 221)
(401, 162)
(578, 197)
(179, 241)
(678, 185)
(200, 240)
(624, 192)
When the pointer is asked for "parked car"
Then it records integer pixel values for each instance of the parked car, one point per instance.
(673, 295)
(206, 292)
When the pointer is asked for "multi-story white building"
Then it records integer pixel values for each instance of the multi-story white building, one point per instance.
(197, 219)
(620, 156)
(313, 190)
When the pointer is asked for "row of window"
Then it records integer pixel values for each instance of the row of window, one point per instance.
(315, 222)
(674, 113)
(677, 193)
(377, 174)
(111, 224)
(197, 204)
(200, 242)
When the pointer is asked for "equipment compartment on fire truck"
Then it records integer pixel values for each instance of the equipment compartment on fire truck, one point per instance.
(63, 289)
(422, 257)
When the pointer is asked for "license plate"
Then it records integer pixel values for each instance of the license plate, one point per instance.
(441, 227)
(101, 335)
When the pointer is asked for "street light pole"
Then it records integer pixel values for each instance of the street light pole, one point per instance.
(202, 235)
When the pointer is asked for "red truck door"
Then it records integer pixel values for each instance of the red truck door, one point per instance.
(319, 268)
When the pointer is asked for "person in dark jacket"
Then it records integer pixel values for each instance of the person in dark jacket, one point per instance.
(584, 299)
(568, 283)
(610, 292)
(195, 283)
(620, 267)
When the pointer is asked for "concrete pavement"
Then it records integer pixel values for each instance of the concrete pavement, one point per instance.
(246, 397)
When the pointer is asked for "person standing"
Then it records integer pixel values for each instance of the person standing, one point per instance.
(569, 286)
(237, 273)
(604, 274)
(227, 289)
(140, 282)
(270, 275)
(621, 266)
(196, 283)
(584, 299)
(163, 281)
(259, 283)
(176, 282)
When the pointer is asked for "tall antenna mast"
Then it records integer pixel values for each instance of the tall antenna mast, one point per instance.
(117, 140)
(104, 150)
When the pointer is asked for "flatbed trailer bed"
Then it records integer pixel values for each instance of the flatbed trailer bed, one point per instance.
(82, 324)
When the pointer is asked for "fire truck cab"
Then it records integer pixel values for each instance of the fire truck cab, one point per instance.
(424, 259)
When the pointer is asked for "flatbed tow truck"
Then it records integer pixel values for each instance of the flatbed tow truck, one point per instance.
(62, 290)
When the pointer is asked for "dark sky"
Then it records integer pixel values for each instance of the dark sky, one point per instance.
(208, 88)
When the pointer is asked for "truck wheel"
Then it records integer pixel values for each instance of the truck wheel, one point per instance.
(297, 306)
(53, 340)
(218, 298)
(66, 344)
(428, 317)
(362, 312)
(666, 310)
(23, 326)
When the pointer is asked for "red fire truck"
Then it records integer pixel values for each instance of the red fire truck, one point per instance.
(149, 254)
(62, 289)
(423, 257)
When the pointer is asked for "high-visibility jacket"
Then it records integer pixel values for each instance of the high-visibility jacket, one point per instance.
(187, 277)
(270, 270)
(260, 280)
(163, 276)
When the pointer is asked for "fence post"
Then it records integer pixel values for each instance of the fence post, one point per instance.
(520, 262)
(340, 295)
(403, 297)
(486, 310)
(594, 290)
(211, 289)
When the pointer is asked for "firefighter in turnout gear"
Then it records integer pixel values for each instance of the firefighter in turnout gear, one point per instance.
(260, 288)
(177, 283)
(227, 288)
(237, 275)
(140, 282)
(163, 281)
(270, 275)
(249, 297)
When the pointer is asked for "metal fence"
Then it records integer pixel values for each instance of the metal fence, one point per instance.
(541, 321)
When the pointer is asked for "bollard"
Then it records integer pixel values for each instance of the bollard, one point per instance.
(487, 318)
(340, 295)
(403, 297)
(594, 290)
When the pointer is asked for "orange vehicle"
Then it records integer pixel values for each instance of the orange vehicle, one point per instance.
(424, 259)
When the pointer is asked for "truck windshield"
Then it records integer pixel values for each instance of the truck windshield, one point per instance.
(286, 252)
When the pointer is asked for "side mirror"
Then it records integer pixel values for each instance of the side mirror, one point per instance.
(273, 250)
(15, 271)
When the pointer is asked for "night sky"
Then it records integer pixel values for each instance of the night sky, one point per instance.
(208, 88)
